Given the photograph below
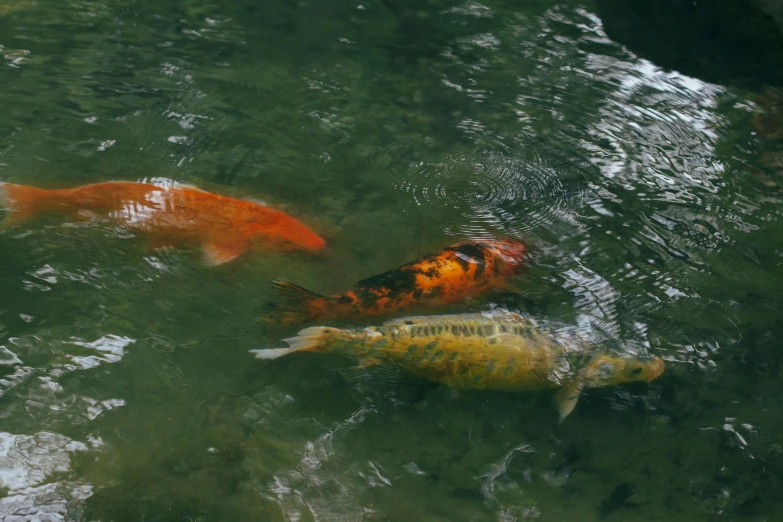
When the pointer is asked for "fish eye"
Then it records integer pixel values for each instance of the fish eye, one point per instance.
(636, 371)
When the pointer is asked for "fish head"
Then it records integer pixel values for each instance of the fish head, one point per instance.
(611, 371)
(286, 234)
(508, 255)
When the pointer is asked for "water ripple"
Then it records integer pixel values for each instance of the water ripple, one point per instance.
(27, 464)
(481, 194)
(314, 486)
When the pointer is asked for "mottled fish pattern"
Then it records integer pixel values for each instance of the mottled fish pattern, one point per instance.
(450, 275)
(490, 351)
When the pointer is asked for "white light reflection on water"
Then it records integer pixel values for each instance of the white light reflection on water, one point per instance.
(314, 487)
(659, 191)
(27, 466)
(32, 467)
(111, 349)
(484, 194)
(498, 480)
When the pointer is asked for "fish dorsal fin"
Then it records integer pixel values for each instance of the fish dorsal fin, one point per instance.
(480, 317)
(218, 253)
(190, 187)
(255, 201)
(166, 183)
(567, 397)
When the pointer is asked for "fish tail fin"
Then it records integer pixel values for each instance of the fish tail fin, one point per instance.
(20, 201)
(296, 305)
(272, 353)
(309, 339)
(5, 201)
(292, 291)
(5, 204)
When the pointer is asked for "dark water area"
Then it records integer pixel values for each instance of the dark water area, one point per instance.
(722, 41)
(649, 192)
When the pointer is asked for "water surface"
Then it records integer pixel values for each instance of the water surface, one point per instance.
(394, 128)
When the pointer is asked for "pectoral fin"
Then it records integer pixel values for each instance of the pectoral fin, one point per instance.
(566, 398)
(368, 362)
(85, 215)
(219, 253)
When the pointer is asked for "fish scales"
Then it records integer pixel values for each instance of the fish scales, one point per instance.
(168, 216)
(471, 353)
(466, 269)
(493, 351)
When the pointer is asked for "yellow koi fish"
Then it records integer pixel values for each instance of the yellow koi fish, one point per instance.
(487, 351)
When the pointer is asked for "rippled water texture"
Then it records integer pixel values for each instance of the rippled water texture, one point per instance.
(651, 199)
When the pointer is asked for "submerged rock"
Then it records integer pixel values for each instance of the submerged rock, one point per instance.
(728, 42)
(773, 8)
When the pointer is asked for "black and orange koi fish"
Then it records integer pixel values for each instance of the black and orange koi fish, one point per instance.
(457, 272)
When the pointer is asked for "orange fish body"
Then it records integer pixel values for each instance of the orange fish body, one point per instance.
(450, 275)
(169, 216)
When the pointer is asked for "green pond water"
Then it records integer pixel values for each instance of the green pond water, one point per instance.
(652, 200)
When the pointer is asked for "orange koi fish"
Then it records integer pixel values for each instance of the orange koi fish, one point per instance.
(450, 275)
(169, 216)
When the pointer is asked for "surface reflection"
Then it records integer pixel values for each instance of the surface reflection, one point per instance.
(503, 192)
(647, 197)
(28, 465)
